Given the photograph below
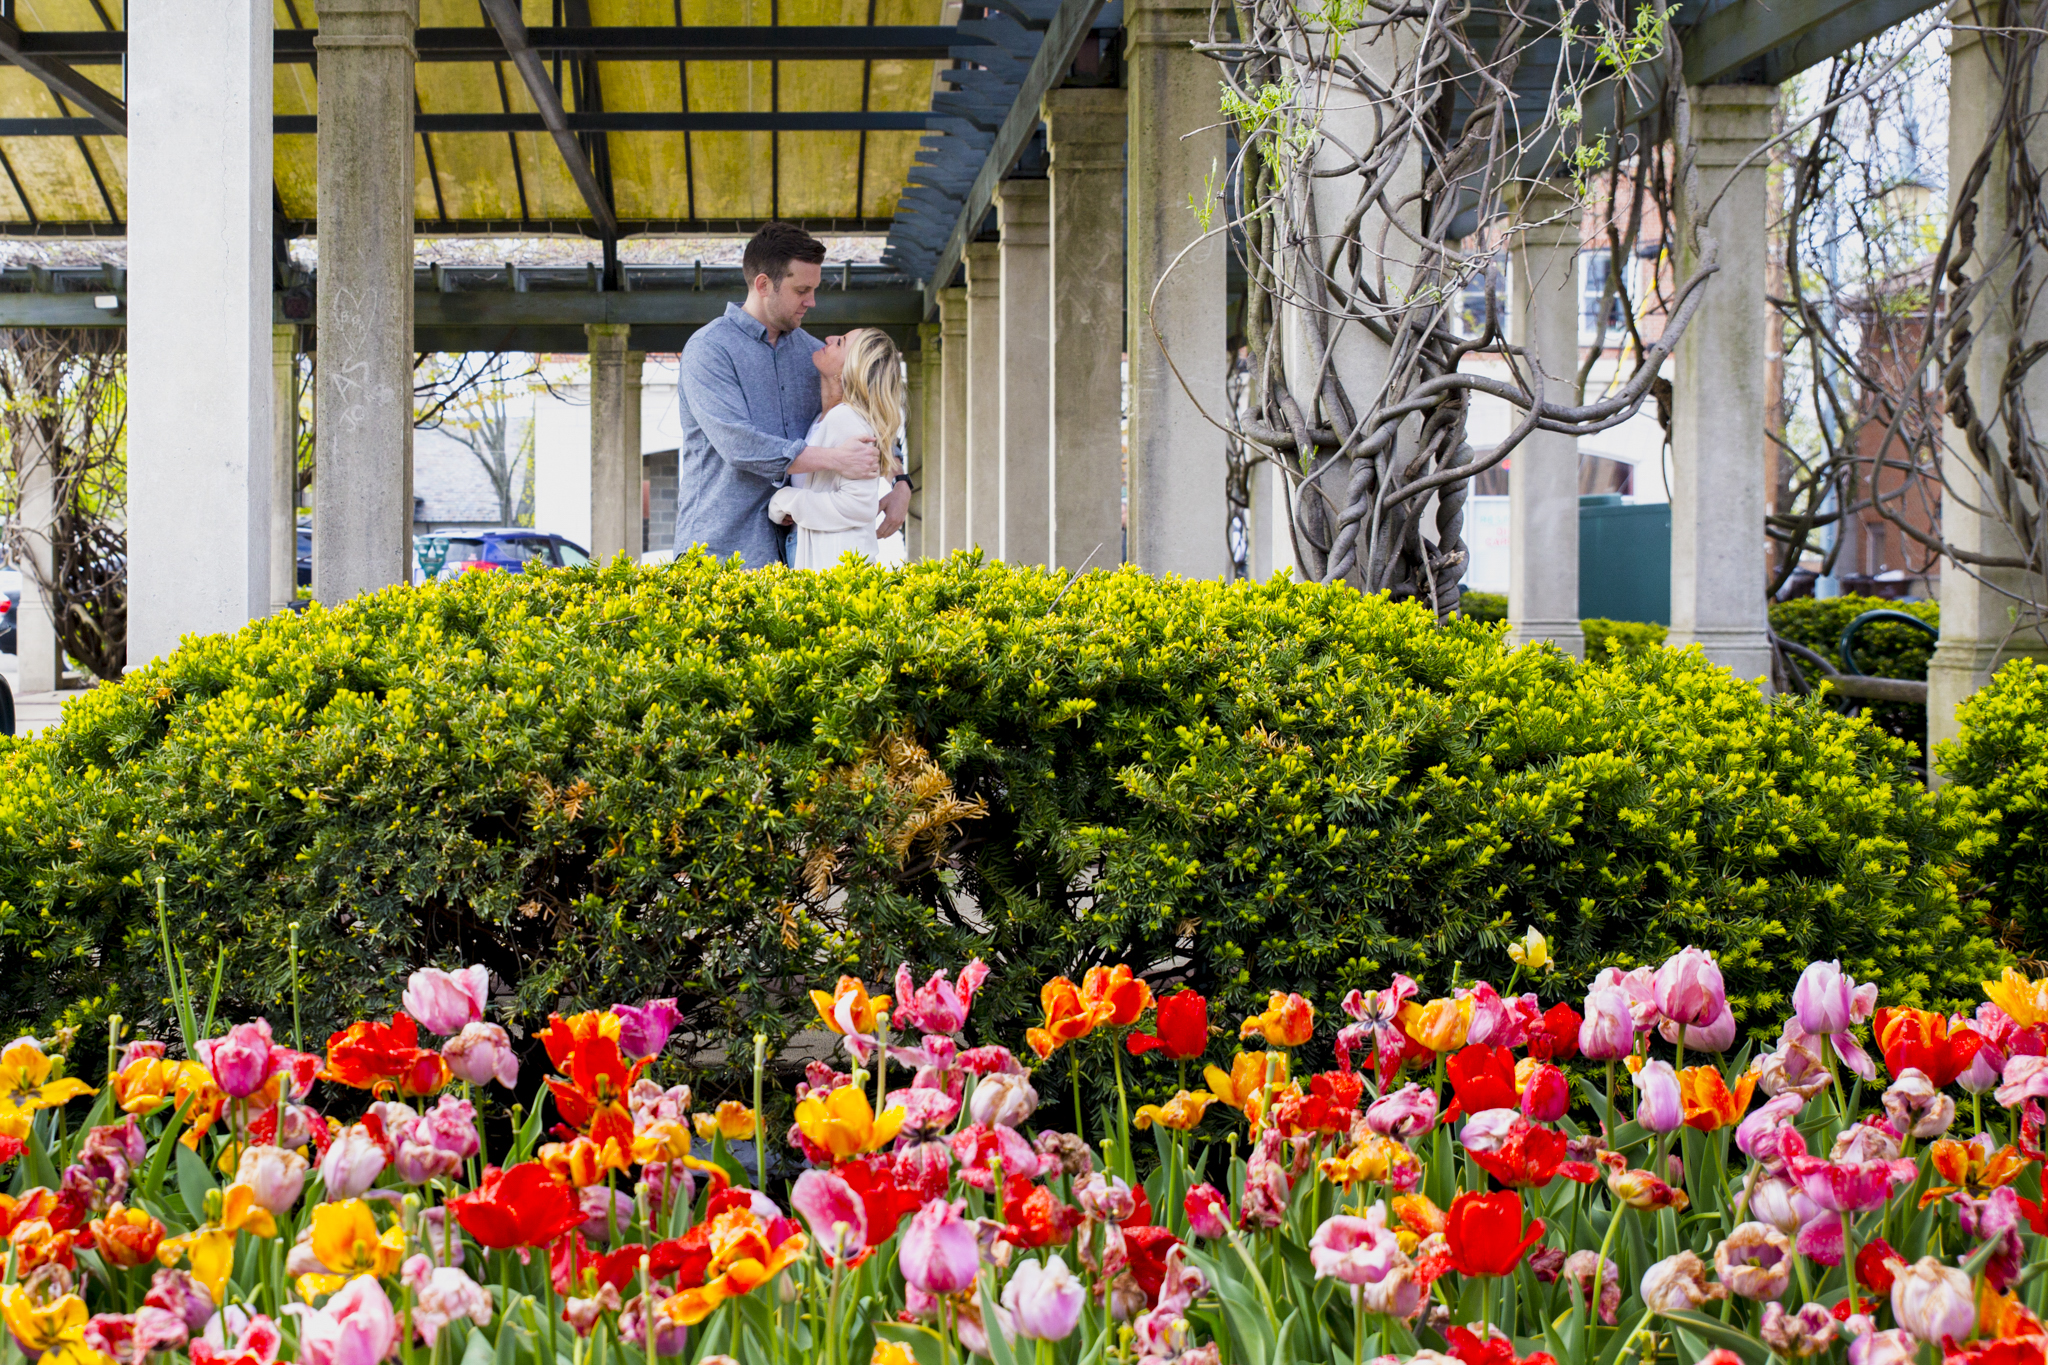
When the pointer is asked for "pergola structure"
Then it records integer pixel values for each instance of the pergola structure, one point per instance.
(1032, 163)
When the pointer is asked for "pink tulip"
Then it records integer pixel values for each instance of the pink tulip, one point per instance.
(938, 1252)
(838, 1219)
(1105, 1199)
(938, 1006)
(1661, 1108)
(352, 1164)
(927, 1113)
(257, 1338)
(1357, 1251)
(608, 1214)
(1043, 1300)
(1547, 1094)
(356, 1327)
(977, 1148)
(175, 1291)
(1608, 1032)
(1848, 1186)
(1916, 1108)
(1933, 1301)
(440, 1295)
(1640, 986)
(1208, 1212)
(644, 1029)
(1494, 1022)
(2024, 1078)
(141, 1050)
(1689, 990)
(482, 1053)
(1757, 1134)
(1717, 1035)
(276, 1176)
(1986, 1068)
(1406, 1112)
(1892, 1347)
(241, 1060)
(446, 1002)
(670, 1336)
(1489, 1129)
(1795, 1336)
(1003, 1100)
(451, 1126)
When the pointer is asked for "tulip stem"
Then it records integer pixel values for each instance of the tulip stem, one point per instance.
(1074, 1067)
(1123, 1116)
(760, 1143)
(1358, 1325)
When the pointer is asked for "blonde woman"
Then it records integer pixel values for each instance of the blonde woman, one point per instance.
(861, 385)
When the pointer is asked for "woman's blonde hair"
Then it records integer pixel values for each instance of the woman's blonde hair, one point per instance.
(872, 382)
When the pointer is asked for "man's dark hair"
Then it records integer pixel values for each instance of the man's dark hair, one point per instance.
(774, 247)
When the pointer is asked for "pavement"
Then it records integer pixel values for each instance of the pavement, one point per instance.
(35, 711)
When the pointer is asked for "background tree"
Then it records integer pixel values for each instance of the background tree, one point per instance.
(63, 409)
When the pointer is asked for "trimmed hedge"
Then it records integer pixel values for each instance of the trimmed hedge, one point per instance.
(2001, 758)
(608, 784)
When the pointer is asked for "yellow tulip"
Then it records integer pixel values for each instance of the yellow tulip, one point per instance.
(1240, 1087)
(1440, 1025)
(211, 1253)
(849, 1008)
(1532, 950)
(2024, 999)
(732, 1119)
(662, 1140)
(845, 1124)
(346, 1241)
(1182, 1112)
(28, 1083)
(53, 1331)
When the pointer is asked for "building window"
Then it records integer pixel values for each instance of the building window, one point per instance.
(1469, 319)
(1594, 267)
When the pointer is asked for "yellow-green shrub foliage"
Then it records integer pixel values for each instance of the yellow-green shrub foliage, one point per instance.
(2002, 758)
(714, 784)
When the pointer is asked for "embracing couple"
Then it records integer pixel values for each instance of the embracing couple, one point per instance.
(782, 431)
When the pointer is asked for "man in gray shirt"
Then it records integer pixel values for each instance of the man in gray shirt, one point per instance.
(748, 394)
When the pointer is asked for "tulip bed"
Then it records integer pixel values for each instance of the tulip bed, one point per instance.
(1483, 1177)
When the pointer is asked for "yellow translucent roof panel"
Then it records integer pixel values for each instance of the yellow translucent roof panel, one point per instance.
(512, 177)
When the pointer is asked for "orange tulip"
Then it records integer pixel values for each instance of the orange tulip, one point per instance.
(126, 1237)
(1067, 1017)
(1288, 1021)
(1971, 1168)
(742, 1259)
(1114, 996)
(849, 1008)
(583, 1162)
(1709, 1103)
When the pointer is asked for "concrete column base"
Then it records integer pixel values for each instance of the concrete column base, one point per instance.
(1958, 670)
(1745, 653)
(1564, 632)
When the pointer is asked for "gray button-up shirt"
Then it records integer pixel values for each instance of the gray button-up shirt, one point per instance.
(746, 406)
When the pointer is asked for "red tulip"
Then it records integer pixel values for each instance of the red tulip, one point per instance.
(384, 1057)
(1183, 1023)
(1484, 1078)
(1556, 1037)
(1921, 1039)
(1486, 1233)
(1528, 1157)
(522, 1207)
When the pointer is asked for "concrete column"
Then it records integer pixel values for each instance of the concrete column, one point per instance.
(199, 368)
(1980, 629)
(1543, 485)
(983, 527)
(1085, 131)
(1022, 208)
(362, 498)
(636, 368)
(607, 438)
(919, 430)
(1178, 510)
(284, 465)
(38, 656)
(950, 487)
(1717, 428)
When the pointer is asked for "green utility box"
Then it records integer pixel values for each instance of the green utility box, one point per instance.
(1624, 559)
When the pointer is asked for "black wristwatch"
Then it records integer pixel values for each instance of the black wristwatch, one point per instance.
(905, 478)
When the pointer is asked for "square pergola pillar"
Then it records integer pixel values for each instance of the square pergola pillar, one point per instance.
(1026, 442)
(362, 488)
(984, 521)
(1543, 486)
(1718, 436)
(200, 438)
(949, 489)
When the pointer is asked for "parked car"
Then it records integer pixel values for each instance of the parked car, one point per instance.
(509, 549)
(10, 608)
(305, 555)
